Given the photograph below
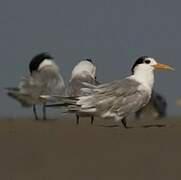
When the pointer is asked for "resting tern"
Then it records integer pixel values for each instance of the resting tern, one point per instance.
(156, 108)
(83, 72)
(119, 98)
(44, 78)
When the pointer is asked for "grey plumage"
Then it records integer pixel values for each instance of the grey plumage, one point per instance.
(84, 71)
(156, 108)
(115, 100)
(76, 84)
(120, 98)
(45, 80)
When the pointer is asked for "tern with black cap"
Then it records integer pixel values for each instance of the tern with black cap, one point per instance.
(119, 98)
(44, 78)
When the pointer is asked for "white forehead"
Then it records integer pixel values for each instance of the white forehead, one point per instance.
(46, 62)
(84, 66)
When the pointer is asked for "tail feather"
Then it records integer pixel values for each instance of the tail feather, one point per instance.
(11, 88)
(68, 103)
(16, 94)
(59, 99)
(26, 92)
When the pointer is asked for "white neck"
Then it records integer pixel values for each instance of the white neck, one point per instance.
(144, 75)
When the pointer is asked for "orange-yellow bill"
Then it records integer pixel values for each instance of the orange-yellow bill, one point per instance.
(163, 66)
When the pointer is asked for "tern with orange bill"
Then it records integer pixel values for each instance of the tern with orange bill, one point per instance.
(120, 98)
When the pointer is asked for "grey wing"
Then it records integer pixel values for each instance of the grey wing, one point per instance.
(22, 98)
(117, 97)
(27, 93)
(78, 86)
(157, 107)
(130, 103)
(51, 81)
(74, 88)
(44, 82)
(159, 103)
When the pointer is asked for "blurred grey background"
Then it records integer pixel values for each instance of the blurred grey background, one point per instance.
(113, 33)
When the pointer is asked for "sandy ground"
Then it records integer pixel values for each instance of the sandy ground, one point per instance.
(61, 150)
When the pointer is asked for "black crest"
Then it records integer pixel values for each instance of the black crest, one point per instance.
(89, 60)
(37, 60)
(140, 60)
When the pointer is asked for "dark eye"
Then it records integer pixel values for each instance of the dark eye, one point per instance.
(147, 61)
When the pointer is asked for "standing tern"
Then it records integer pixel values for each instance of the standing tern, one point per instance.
(84, 71)
(119, 98)
(44, 78)
(156, 108)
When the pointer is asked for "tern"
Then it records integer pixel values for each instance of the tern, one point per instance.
(156, 108)
(83, 72)
(44, 78)
(119, 98)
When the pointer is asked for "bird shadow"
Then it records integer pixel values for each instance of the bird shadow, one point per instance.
(130, 127)
(109, 126)
(154, 126)
(114, 126)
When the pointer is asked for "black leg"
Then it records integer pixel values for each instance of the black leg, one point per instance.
(77, 119)
(92, 120)
(124, 123)
(44, 112)
(35, 113)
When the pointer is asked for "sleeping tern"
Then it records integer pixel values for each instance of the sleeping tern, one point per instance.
(84, 71)
(44, 78)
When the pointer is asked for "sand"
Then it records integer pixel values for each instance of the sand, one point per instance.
(62, 150)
